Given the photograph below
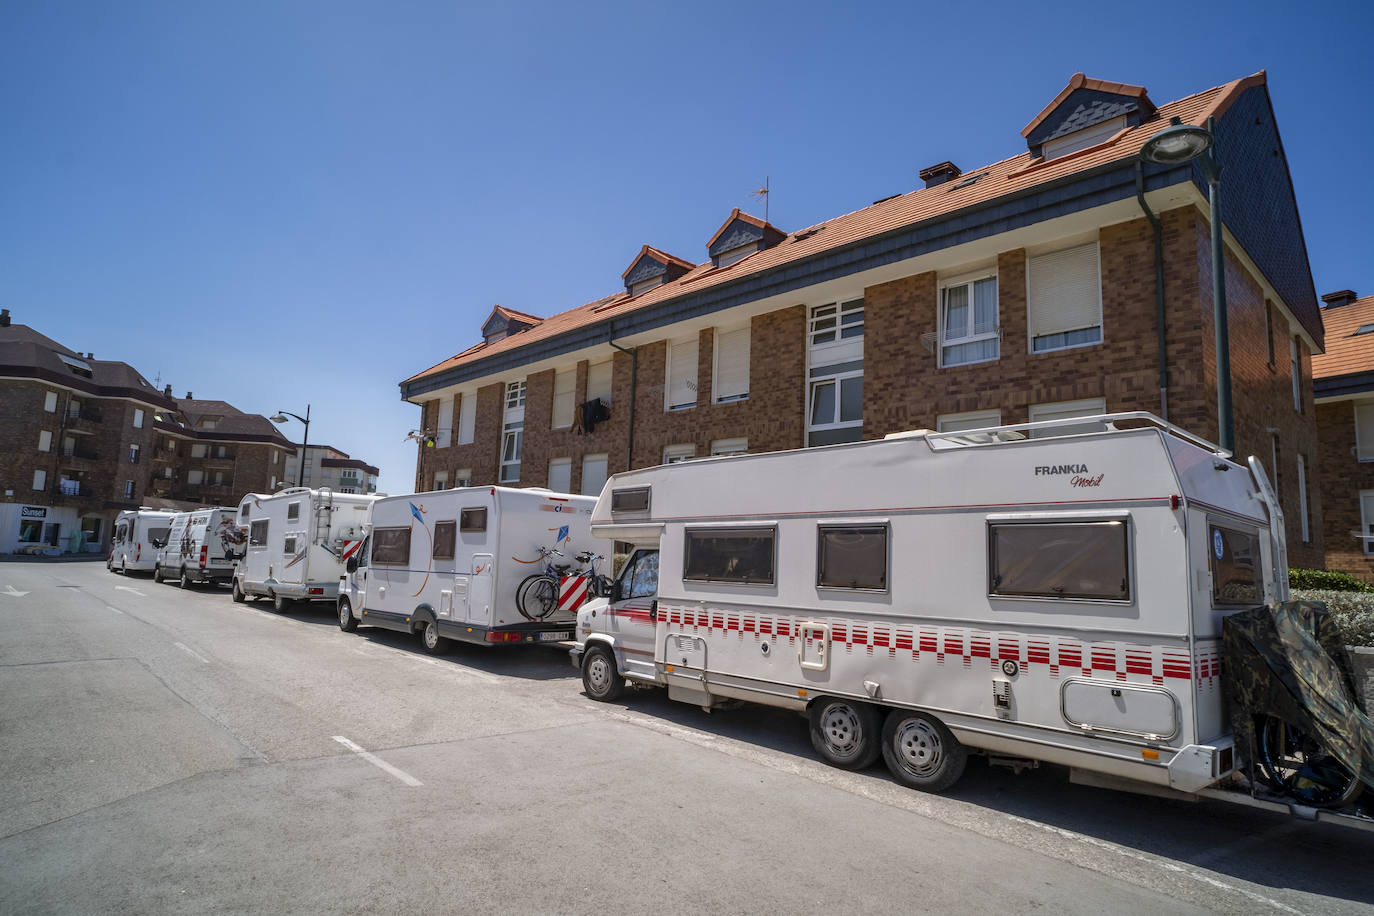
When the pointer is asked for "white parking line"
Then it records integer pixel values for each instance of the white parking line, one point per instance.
(191, 652)
(115, 609)
(379, 763)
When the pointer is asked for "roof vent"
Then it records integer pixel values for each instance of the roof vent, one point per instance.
(190, 396)
(940, 173)
(1339, 298)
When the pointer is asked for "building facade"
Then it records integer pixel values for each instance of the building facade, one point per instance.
(1343, 379)
(326, 466)
(1020, 291)
(83, 439)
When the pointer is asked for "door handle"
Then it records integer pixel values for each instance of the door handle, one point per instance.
(653, 611)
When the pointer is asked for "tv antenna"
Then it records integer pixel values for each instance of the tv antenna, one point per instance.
(763, 193)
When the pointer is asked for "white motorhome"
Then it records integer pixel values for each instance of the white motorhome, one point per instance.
(202, 546)
(298, 540)
(138, 535)
(450, 565)
(1035, 592)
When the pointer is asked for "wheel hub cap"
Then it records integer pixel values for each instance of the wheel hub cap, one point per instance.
(918, 745)
(841, 729)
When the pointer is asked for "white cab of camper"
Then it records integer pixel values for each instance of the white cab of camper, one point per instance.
(138, 536)
(298, 542)
(1052, 592)
(202, 546)
(483, 565)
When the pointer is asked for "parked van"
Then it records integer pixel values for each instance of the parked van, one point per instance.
(482, 565)
(1034, 592)
(138, 535)
(202, 546)
(298, 540)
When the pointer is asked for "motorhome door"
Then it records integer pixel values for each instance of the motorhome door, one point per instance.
(295, 547)
(634, 612)
(480, 585)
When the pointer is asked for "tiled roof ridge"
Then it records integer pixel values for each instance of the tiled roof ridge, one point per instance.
(514, 313)
(1082, 81)
(660, 253)
(735, 214)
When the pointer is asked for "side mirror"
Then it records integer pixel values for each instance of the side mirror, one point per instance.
(351, 564)
(613, 590)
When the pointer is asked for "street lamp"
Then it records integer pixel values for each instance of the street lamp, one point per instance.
(1175, 145)
(280, 417)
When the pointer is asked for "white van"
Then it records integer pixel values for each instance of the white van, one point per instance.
(476, 564)
(138, 535)
(1034, 592)
(298, 540)
(202, 546)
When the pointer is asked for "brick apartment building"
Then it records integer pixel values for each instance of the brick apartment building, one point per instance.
(1017, 291)
(327, 466)
(1343, 379)
(82, 439)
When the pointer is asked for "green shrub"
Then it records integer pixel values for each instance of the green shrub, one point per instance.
(1327, 581)
(1352, 613)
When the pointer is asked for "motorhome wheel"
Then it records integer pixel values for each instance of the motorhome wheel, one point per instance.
(185, 579)
(600, 678)
(238, 595)
(281, 604)
(434, 643)
(845, 733)
(157, 573)
(921, 752)
(346, 621)
(1298, 766)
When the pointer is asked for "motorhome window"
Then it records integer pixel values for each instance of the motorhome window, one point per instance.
(473, 519)
(641, 576)
(391, 546)
(363, 551)
(851, 556)
(158, 536)
(1235, 561)
(730, 555)
(121, 534)
(1088, 560)
(288, 546)
(257, 533)
(445, 536)
(293, 511)
(630, 500)
(243, 511)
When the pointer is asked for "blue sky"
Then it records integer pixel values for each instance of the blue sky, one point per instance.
(286, 203)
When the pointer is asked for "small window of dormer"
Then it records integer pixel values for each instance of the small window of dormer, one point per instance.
(1085, 113)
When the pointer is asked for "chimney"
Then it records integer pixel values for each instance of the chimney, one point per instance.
(4, 318)
(1339, 298)
(190, 396)
(167, 392)
(940, 173)
(90, 356)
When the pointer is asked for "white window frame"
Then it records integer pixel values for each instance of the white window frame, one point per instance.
(129, 489)
(968, 280)
(565, 465)
(40, 479)
(844, 353)
(44, 440)
(843, 307)
(675, 359)
(198, 450)
(602, 457)
(138, 418)
(462, 478)
(467, 417)
(970, 419)
(673, 454)
(564, 397)
(1063, 410)
(1031, 336)
(1366, 520)
(1364, 444)
(515, 395)
(1303, 514)
(50, 401)
(736, 446)
(440, 480)
(1295, 369)
(443, 423)
(717, 362)
(510, 468)
(133, 452)
(195, 477)
(1082, 139)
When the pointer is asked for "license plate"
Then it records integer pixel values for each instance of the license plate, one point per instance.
(555, 637)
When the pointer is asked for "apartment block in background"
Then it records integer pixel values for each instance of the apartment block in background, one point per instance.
(326, 466)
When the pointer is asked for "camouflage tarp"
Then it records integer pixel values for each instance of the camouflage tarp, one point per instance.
(1286, 662)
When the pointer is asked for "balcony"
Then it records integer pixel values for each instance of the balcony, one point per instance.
(84, 414)
(82, 451)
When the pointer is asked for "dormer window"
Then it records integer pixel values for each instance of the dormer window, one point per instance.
(741, 236)
(652, 268)
(1085, 113)
(503, 322)
(78, 366)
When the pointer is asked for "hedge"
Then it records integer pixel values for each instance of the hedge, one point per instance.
(1352, 613)
(1326, 580)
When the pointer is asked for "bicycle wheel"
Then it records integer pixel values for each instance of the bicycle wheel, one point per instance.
(1296, 765)
(536, 597)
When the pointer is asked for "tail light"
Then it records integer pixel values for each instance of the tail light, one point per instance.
(316, 591)
(204, 555)
(138, 552)
(494, 636)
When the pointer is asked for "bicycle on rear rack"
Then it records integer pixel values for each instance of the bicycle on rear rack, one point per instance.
(537, 596)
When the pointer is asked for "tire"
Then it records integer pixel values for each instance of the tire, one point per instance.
(237, 593)
(921, 752)
(846, 733)
(537, 597)
(600, 677)
(282, 604)
(434, 643)
(346, 621)
(157, 573)
(185, 581)
(1296, 765)
(123, 566)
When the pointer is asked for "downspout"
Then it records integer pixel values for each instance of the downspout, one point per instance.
(634, 381)
(1163, 343)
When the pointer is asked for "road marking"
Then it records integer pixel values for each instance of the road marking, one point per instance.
(125, 588)
(115, 609)
(13, 592)
(191, 652)
(379, 763)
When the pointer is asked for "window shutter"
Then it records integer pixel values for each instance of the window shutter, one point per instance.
(1064, 291)
(560, 475)
(443, 426)
(467, 415)
(599, 381)
(593, 474)
(1364, 431)
(564, 390)
(732, 365)
(682, 374)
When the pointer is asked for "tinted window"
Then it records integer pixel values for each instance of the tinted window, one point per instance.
(473, 519)
(1235, 561)
(730, 555)
(445, 534)
(852, 556)
(391, 546)
(289, 546)
(1059, 560)
(293, 511)
(630, 500)
(158, 536)
(257, 533)
(641, 576)
(243, 511)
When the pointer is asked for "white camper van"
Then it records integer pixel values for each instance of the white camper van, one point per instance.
(298, 540)
(476, 564)
(1037, 592)
(138, 535)
(202, 546)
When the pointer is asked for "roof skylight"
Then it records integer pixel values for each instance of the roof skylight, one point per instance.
(1363, 329)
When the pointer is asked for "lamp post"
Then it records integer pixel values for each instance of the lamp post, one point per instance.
(1174, 145)
(280, 417)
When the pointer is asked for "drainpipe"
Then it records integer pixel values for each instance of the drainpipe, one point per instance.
(634, 381)
(1163, 343)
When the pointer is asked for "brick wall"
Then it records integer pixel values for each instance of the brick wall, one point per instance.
(1343, 476)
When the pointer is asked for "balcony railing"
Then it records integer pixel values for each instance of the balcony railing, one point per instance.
(80, 451)
(69, 488)
(88, 412)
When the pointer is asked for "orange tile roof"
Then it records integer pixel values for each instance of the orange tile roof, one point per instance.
(735, 214)
(1346, 351)
(1019, 173)
(1079, 81)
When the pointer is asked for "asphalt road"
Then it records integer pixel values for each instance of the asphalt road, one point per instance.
(168, 750)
